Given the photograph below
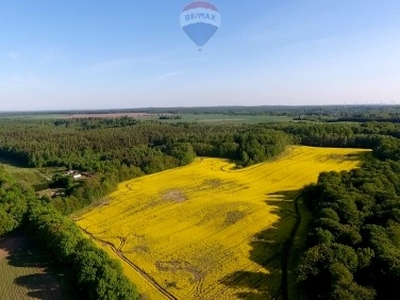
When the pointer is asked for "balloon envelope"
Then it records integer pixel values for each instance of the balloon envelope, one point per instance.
(200, 20)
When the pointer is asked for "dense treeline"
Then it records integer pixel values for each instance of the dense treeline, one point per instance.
(107, 145)
(354, 241)
(13, 203)
(365, 135)
(127, 147)
(95, 275)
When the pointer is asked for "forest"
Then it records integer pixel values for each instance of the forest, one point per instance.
(354, 237)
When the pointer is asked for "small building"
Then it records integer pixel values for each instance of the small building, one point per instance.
(74, 174)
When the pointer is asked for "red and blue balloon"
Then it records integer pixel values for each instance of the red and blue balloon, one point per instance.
(200, 20)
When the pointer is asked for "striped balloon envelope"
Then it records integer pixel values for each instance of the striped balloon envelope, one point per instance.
(200, 20)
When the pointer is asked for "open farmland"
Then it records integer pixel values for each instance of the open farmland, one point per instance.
(26, 271)
(192, 232)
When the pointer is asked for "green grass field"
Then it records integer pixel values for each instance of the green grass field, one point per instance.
(21, 173)
(31, 177)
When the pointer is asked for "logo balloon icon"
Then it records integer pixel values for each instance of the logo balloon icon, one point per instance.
(200, 20)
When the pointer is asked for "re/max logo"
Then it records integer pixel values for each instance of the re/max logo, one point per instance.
(201, 16)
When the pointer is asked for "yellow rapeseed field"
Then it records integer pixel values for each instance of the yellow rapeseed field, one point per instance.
(181, 232)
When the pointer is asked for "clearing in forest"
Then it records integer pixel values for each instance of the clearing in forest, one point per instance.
(194, 232)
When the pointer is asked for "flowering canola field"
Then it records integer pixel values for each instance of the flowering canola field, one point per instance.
(181, 232)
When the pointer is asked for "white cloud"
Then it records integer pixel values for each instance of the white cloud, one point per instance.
(169, 74)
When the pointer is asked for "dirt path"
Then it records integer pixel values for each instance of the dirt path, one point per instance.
(146, 276)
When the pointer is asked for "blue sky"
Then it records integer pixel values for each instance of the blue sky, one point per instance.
(96, 54)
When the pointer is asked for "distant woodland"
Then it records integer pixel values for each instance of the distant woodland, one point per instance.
(354, 239)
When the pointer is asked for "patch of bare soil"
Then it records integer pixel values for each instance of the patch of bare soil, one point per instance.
(232, 217)
(175, 266)
(174, 195)
(213, 183)
(140, 249)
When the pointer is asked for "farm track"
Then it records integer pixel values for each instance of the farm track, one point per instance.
(146, 276)
(286, 252)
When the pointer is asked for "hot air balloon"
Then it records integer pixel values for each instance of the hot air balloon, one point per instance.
(200, 20)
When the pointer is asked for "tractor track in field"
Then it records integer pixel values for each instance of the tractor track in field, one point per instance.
(146, 276)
